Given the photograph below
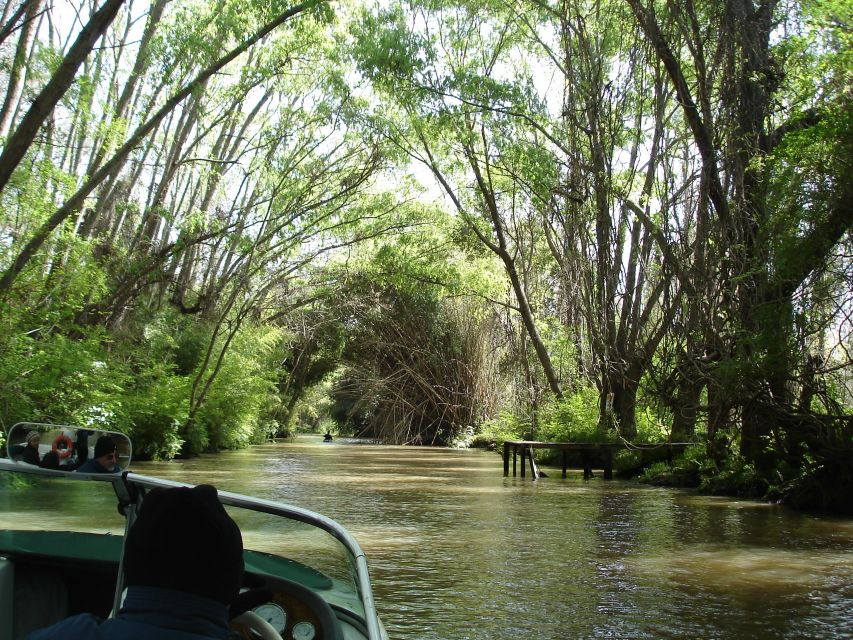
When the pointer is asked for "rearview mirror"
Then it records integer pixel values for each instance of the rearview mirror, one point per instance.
(65, 448)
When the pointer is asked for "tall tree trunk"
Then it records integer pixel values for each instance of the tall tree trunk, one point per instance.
(501, 249)
(9, 18)
(19, 64)
(19, 142)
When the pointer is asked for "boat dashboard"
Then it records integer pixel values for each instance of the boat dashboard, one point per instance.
(294, 613)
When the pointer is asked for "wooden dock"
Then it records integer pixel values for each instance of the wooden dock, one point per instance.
(605, 449)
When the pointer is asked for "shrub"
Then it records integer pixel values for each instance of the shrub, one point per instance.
(685, 471)
(243, 396)
(574, 419)
(736, 478)
(496, 431)
(156, 409)
(462, 438)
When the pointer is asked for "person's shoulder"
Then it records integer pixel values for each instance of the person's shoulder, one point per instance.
(152, 629)
(84, 626)
(91, 466)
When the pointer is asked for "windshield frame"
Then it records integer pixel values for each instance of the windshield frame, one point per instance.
(131, 487)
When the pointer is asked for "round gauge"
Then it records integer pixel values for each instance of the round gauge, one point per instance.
(303, 631)
(273, 614)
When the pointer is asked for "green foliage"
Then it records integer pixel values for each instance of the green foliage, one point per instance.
(156, 409)
(284, 208)
(313, 412)
(313, 352)
(664, 475)
(685, 471)
(506, 426)
(17, 480)
(142, 388)
(574, 419)
(697, 469)
(463, 438)
(392, 50)
(243, 395)
(651, 429)
(736, 478)
(51, 379)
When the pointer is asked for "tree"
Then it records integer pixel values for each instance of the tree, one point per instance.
(21, 139)
(74, 203)
(768, 253)
(446, 123)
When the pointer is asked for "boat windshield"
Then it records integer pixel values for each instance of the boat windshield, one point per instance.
(301, 551)
(282, 541)
(30, 502)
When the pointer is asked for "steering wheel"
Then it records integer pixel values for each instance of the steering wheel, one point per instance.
(328, 626)
(256, 623)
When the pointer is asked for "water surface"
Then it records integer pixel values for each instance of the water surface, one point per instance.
(457, 551)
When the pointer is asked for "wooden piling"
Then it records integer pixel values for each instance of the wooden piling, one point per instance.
(506, 460)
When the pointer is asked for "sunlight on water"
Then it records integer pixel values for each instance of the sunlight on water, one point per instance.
(765, 570)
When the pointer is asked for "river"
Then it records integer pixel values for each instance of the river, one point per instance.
(458, 552)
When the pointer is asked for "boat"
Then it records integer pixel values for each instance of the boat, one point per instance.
(311, 572)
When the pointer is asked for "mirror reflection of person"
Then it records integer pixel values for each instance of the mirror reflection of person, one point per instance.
(81, 446)
(105, 458)
(50, 461)
(183, 560)
(30, 454)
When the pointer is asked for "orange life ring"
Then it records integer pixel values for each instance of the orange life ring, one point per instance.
(69, 446)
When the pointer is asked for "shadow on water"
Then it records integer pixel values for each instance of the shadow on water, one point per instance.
(457, 551)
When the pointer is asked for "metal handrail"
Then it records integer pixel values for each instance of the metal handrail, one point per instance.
(121, 484)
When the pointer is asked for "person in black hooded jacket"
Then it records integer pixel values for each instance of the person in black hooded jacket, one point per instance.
(183, 566)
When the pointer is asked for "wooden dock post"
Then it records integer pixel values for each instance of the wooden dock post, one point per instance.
(608, 464)
(587, 465)
(506, 459)
(534, 470)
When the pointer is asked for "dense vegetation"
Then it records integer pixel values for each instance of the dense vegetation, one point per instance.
(436, 222)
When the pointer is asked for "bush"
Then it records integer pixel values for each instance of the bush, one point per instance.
(313, 411)
(685, 471)
(50, 379)
(574, 419)
(737, 478)
(462, 438)
(238, 408)
(156, 408)
(498, 430)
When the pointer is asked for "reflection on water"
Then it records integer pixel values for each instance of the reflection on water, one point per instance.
(457, 551)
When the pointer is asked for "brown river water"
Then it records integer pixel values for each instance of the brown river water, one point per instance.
(458, 552)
